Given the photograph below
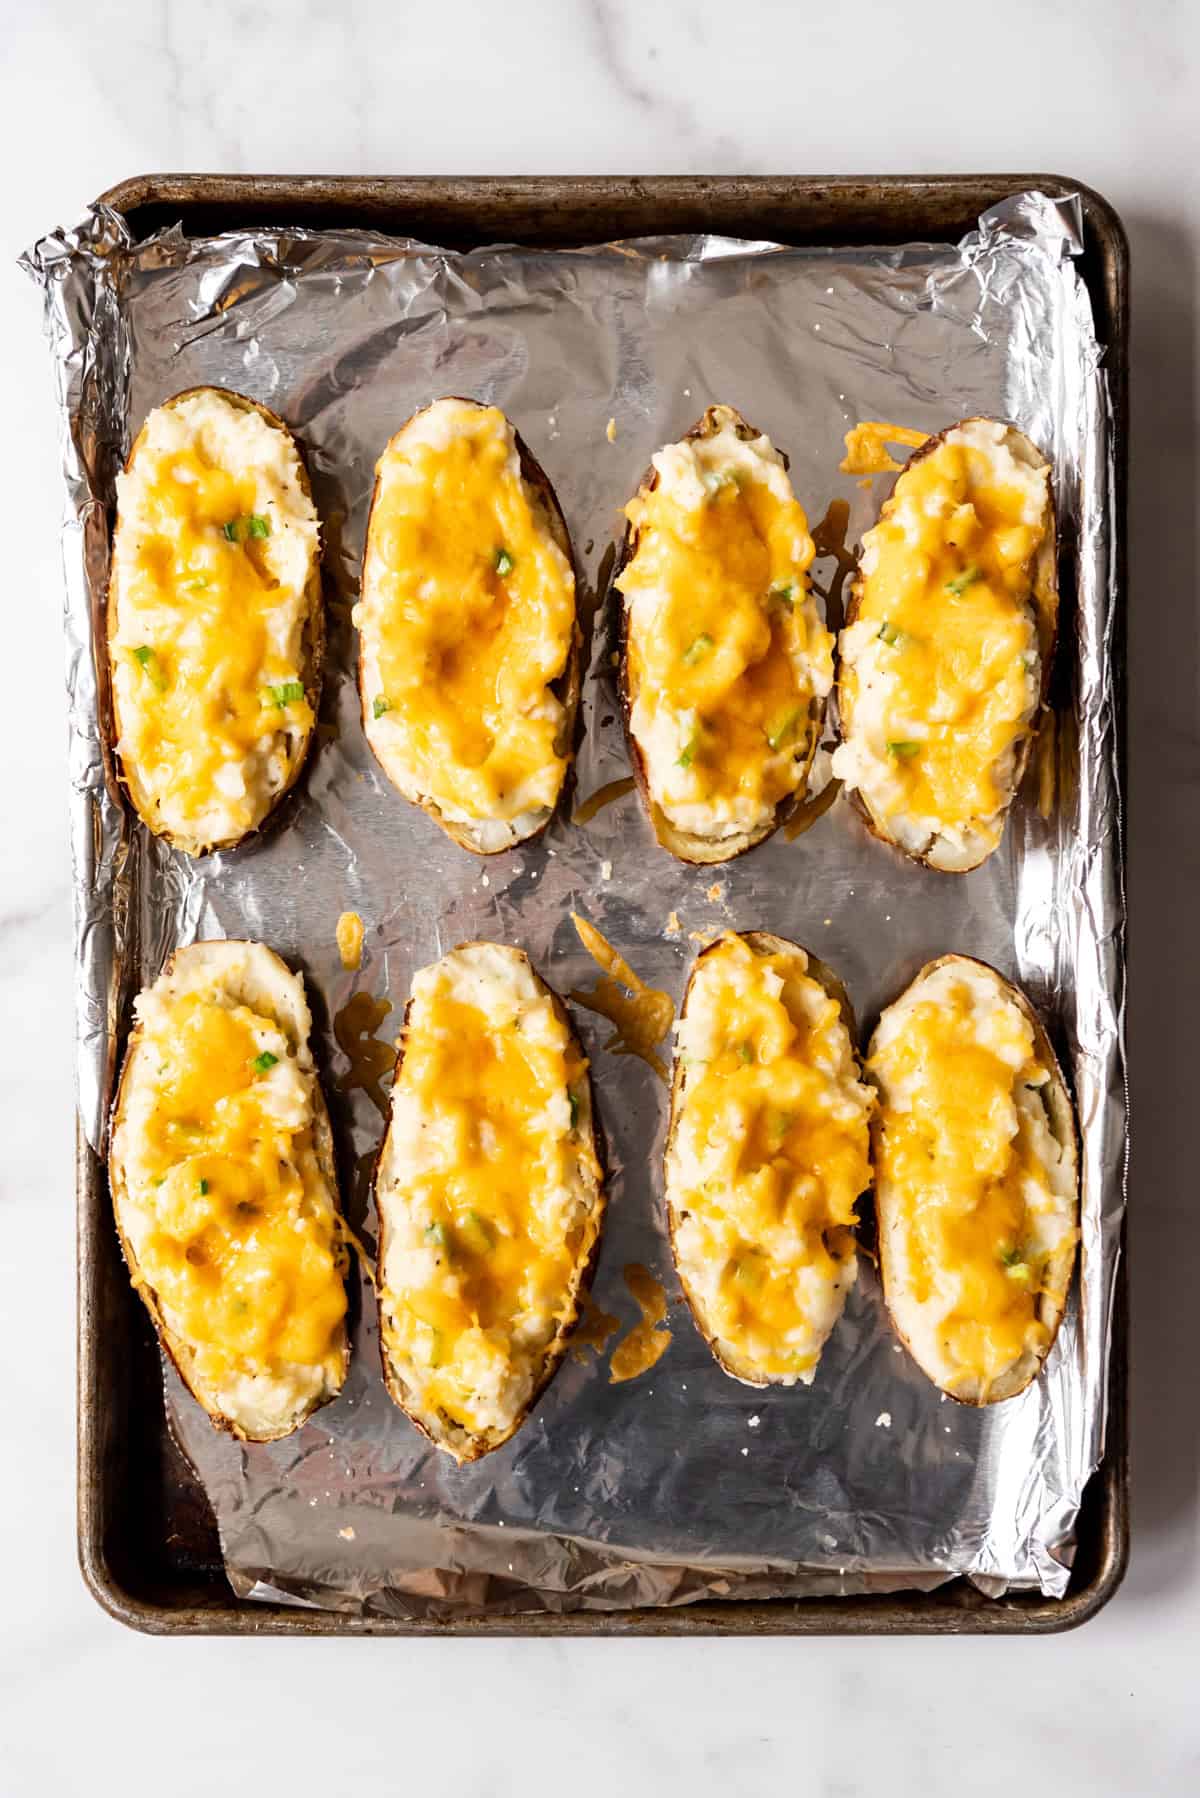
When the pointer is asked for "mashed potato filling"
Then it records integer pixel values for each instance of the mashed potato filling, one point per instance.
(942, 667)
(214, 549)
(229, 1216)
(487, 1188)
(467, 617)
(769, 1154)
(974, 1190)
(726, 651)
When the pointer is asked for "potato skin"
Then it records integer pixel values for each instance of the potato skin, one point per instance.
(763, 942)
(461, 1443)
(566, 688)
(1065, 1129)
(686, 846)
(312, 655)
(173, 1349)
(1047, 642)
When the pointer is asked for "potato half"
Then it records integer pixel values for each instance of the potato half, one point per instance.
(215, 620)
(976, 1179)
(949, 639)
(468, 631)
(724, 661)
(490, 1197)
(225, 1191)
(767, 1155)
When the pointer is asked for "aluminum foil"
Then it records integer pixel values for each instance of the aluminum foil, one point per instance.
(680, 1483)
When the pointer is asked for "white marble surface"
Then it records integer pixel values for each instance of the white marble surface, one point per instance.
(91, 92)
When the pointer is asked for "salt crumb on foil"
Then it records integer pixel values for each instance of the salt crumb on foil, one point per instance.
(752, 1423)
(606, 870)
(486, 879)
(347, 1534)
(884, 1421)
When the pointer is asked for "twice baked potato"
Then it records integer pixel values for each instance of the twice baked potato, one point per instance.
(725, 663)
(946, 654)
(215, 620)
(225, 1192)
(767, 1155)
(976, 1179)
(468, 632)
(490, 1196)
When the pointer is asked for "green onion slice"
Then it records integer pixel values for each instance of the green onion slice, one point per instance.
(240, 530)
(287, 692)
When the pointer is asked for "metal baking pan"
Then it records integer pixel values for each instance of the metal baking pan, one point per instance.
(147, 1541)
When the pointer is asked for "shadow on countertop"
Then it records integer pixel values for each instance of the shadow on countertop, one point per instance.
(1164, 901)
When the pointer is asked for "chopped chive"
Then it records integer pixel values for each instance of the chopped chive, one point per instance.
(780, 732)
(198, 584)
(476, 1233)
(573, 1101)
(238, 530)
(1010, 1257)
(688, 752)
(381, 706)
(781, 1123)
(903, 751)
(783, 591)
(286, 692)
(504, 562)
(148, 662)
(1020, 1271)
(961, 582)
(745, 1054)
(262, 1062)
(697, 651)
(888, 633)
(436, 1234)
(202, 1188)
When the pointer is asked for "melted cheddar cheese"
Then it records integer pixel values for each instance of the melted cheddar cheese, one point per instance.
(488, 1192)
(942, 667)
(767, 1159)
(728, 660)
(228, 1211)
(976, 1196)
(467, 618)
(214, 559)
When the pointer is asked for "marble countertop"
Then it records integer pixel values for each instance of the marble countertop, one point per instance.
(91, 93)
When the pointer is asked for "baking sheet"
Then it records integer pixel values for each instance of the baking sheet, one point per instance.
(682, 1482)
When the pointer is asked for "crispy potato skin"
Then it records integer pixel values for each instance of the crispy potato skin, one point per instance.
(312, 656)
(172, 1347)
(1025, 1371)
(763, 942)
(686, 846)
(566, 688)
(1047, 642)
(463, 1444)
